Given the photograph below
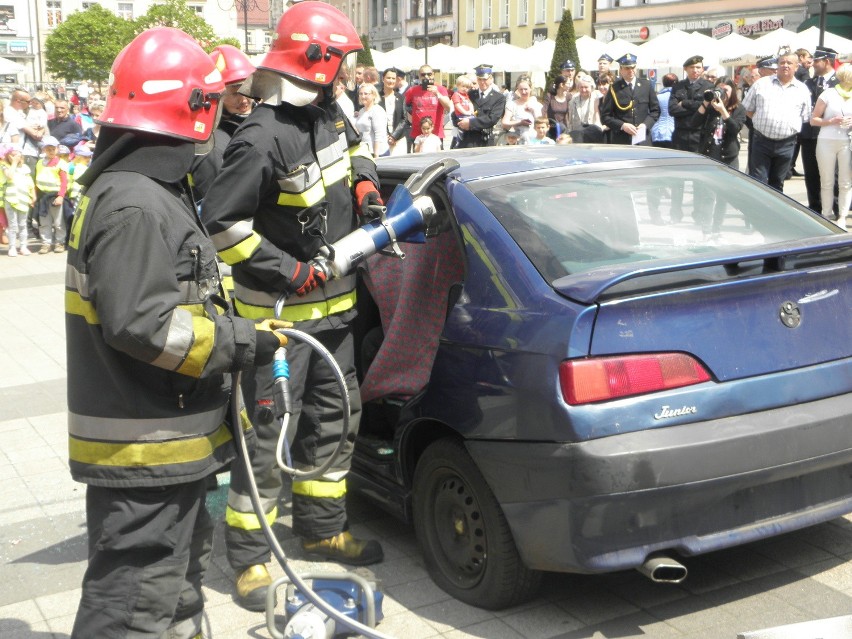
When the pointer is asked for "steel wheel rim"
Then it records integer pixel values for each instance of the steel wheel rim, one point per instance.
(459, 530)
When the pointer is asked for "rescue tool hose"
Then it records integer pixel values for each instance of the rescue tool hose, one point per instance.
(304, 475)
(274, 546)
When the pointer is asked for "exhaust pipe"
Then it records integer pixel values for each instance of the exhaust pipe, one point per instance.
(663, 569)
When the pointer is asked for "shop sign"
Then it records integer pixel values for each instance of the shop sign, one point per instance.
(538, 35)
(721, 30)
(18, 46)
(501, 37)
(747, 27)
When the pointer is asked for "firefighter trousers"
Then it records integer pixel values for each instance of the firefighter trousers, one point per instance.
(319, 506)
(148, 551)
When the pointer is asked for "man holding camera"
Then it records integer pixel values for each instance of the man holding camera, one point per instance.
(427, 98)
(687, 95)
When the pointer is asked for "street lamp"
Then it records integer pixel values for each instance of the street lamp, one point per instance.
(426, 31)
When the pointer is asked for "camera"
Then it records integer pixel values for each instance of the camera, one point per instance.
(425, 83)
(712, 94)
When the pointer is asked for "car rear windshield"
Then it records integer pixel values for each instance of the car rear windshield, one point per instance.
(568, 223)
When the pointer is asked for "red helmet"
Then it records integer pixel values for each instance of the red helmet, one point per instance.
(310, 42)
(163, 82)
(232, 63)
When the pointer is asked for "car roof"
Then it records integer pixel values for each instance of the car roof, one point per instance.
(491, 162)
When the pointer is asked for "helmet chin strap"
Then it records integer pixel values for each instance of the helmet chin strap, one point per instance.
(273, 88)
(203, 148)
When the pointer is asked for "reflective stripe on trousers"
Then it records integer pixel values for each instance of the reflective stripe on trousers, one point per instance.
(317, 409)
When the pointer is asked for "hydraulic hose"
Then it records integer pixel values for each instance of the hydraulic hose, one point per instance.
(274, 546)
(344, 392)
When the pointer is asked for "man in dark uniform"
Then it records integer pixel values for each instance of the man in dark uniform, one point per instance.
(490, 104)
(630, 108)
(824, 78)
(604, 63)
(687, 95)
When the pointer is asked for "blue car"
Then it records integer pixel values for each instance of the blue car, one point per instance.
(606, 358)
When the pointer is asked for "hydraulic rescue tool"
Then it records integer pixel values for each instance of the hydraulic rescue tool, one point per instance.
(339, 604)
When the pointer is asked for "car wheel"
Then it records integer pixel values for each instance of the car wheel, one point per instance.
(467, 544)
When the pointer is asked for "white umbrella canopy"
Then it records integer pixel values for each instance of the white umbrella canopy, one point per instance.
(735, 50)
(505, 57)
(460, 59)
(769, 43)
(619, 47)
(405, 58)
(540, 55)
(809, 39)
(10, 67)
(667, 50)
(589, 50)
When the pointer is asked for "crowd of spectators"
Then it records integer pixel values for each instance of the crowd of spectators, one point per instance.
(785, 105)
(45, 143)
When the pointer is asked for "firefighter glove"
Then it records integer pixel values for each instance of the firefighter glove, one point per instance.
(268, 340)
(369, 202)
(305, 279)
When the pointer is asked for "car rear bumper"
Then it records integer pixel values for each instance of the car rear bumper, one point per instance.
(607, 504)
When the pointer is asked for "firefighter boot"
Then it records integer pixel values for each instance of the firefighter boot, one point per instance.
(343, 547)
(252, 585)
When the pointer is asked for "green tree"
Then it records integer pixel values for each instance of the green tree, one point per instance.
(364, 55)
(85, 44)
(566, 47)
(176, 13)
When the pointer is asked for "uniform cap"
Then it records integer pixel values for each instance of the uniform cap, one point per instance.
(605, 58)
(483, 69)
(692, 61)
(568, 64)
(627, 60)
(767, 63)
(825, 53)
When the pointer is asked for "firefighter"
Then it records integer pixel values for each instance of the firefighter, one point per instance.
(150, 347)
(235, 68)
(287, 185)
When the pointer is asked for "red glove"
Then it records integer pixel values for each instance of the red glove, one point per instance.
(305, 279)
(367, 197)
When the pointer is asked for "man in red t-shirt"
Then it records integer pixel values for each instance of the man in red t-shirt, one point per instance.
(427, 98)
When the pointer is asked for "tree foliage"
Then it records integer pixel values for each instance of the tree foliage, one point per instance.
(176, 13)
(364, 55)
(84, 45)
(566, 47)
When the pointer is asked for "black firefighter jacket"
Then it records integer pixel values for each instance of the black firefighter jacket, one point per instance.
(285, 188)
(150, 345)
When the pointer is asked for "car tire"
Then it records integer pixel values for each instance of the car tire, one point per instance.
(466, 542)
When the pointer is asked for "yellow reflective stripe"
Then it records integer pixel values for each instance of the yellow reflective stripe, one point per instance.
(303, 200)
(248, 521)
(204, 331)
(360, 151)
(323, 489)
(179, 451)
(77, 223)
(76, 305)
(300, 312)
(335, 172)
(240, 251)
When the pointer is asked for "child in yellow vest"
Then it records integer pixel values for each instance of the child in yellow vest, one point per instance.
(51, 177)
(78, 166)
(19, 196)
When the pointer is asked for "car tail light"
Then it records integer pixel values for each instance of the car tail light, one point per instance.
(602, 378)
